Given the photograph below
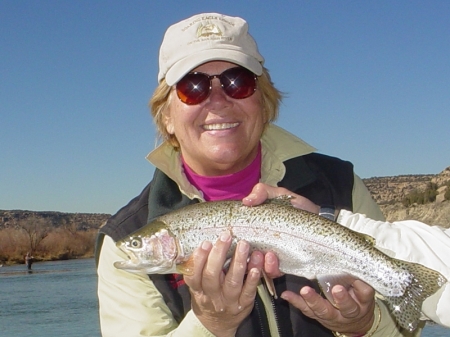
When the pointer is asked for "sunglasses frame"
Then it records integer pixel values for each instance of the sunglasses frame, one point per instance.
(222, 78)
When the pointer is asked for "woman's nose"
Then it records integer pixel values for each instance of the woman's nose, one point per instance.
(217, 92)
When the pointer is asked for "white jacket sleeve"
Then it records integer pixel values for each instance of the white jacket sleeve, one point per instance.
(412, 241)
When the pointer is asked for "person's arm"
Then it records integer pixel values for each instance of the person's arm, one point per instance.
(131, 306)
(411, 241)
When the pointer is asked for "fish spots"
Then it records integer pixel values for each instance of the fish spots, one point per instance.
(306, 244)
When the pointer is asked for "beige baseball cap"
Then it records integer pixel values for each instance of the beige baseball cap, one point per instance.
(203, 38)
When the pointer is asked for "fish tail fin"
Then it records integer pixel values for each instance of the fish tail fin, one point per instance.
(407, 308)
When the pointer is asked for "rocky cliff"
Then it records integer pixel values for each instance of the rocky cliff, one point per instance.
(78, 221)
(390, 193)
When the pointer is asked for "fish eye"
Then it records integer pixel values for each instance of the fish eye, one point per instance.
(136, 243)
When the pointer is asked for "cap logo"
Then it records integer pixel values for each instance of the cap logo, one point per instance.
(208, 29)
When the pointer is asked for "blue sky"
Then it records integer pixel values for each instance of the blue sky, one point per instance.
(366, 81)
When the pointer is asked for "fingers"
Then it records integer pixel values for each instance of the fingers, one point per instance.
(353, 311)
(200, 256)
(271, 265)
(363, 292)
(311, 304)
(261, 192)
(238, 268)
(256, 261)
(249, 290)
(213, 270)
(225, 291)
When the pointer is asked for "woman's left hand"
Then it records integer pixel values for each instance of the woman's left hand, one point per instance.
(353, 312)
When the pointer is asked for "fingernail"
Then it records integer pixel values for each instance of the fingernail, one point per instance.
(255, 258)
(206, 245)
(225, 236)
(269, 258)
(338, 292)
(251, 197)
(254, 273)
(243, 247)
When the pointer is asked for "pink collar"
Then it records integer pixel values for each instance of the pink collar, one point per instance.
(233, 186)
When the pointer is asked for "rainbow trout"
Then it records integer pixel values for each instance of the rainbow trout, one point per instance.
(306, 244)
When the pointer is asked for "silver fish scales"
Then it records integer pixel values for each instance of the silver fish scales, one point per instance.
(306, 244)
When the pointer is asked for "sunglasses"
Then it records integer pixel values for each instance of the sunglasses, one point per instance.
(238, 83)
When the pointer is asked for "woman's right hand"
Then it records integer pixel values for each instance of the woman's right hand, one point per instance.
(221, 301)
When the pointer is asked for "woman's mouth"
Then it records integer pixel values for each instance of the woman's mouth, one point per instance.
(219, 126)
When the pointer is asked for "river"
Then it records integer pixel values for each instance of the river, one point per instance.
(59, 299)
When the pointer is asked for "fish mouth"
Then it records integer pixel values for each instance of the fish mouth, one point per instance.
(145, 268)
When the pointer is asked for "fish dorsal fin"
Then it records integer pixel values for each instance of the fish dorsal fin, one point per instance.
(327, 282)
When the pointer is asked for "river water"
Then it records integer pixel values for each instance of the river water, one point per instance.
(58, 299)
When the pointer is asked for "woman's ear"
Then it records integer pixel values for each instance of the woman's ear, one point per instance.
(168, 122)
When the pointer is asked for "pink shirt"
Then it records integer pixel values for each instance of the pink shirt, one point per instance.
(233, 186)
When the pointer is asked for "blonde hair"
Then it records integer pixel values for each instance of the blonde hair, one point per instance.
(160, 101)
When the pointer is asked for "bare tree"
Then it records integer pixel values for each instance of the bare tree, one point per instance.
(70, 226)
(37, 229)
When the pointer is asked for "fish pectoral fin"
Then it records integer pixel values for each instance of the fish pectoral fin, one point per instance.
(186, 267)
(269, 285)
(327, 282)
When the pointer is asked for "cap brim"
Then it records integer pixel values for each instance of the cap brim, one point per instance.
(182, 67)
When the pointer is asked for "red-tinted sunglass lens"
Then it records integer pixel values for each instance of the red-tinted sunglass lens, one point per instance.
(238, 82)
(193, 88)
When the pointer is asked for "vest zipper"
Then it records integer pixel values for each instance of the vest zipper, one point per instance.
(261, 322)
(276, 316)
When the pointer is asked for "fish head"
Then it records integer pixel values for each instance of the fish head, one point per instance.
(149, 253)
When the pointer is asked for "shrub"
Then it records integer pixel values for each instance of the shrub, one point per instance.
(447, 193)
(421, 197)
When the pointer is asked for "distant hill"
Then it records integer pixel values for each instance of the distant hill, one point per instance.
(80, 221)
(388, 192)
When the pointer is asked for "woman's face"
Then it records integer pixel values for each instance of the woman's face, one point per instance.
(221, 134)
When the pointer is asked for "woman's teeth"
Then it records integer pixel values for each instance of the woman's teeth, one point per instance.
(222, 126)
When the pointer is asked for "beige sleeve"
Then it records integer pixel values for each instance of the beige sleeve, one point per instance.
(363, 202)
(131, 306)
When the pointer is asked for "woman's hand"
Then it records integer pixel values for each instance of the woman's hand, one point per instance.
(220, 300)
(353, 312)
(261, 192)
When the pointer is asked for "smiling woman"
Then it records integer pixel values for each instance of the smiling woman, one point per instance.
(220, 135)
(214, 108)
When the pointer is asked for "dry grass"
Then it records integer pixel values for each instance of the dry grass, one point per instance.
(58, 244)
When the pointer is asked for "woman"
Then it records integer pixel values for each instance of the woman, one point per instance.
(213, 107)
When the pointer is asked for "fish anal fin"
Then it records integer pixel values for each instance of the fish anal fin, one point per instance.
(327, 282)
(186, 267)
